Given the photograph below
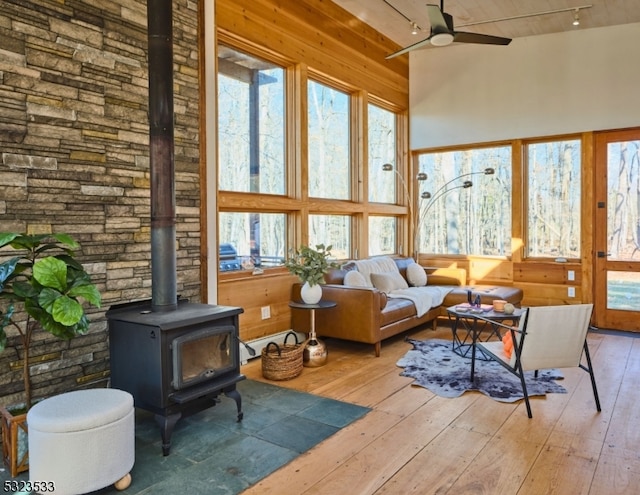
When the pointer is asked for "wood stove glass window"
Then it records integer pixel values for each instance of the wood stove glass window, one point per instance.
(203, 355)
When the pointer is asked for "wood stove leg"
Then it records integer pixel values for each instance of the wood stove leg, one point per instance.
(167, 423)
(235, 395)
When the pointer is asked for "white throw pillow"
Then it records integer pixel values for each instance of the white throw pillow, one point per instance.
(354, 278)
(416, 275)
(388, 281)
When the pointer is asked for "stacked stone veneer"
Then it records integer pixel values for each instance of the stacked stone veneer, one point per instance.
(74, 158)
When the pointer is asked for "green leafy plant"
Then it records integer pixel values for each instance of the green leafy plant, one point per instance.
(310, 264)
(47, 283)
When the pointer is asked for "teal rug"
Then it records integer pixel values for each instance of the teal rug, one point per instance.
(211, 453)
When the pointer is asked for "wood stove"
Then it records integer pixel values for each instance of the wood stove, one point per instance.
(175, 363)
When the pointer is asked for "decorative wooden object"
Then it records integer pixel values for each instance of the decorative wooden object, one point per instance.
(15, 447)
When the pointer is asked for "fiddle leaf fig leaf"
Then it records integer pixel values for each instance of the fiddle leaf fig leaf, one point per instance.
(7, 269)
(51, 272)
(88, 292)
(67, 311)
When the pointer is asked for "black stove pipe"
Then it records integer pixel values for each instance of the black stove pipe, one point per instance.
(161, 155)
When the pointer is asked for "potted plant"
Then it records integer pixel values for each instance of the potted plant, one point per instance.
(42, 287)
(310, 265)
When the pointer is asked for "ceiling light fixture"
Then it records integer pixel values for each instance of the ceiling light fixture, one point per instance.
(414, 28)
(523, 16)
(576, 18)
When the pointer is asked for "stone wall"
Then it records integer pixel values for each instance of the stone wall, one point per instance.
(74, 159)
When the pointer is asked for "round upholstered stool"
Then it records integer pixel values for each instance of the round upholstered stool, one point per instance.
(83, 440)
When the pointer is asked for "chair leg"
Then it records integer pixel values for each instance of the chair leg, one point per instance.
(593, 378)
(525, 393)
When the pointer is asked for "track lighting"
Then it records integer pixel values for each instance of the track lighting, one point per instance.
(576, 18)
(415, 29)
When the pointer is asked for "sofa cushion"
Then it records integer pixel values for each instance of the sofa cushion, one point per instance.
(388, 281)
(416, 276)
(378, 264)
(355, 279)
(397, 310)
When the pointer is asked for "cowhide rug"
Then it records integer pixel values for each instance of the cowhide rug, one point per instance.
(434, 366)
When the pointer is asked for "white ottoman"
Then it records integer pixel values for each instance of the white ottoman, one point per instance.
(82, 440)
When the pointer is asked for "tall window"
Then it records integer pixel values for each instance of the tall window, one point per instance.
(553, 216)
(382, 149)
(251, 158)
(251, 123)
(329, 138)
(465, 204)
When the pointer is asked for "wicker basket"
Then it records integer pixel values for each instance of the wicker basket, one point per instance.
(282, 362)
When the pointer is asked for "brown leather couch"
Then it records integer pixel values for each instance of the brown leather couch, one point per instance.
(364, 314)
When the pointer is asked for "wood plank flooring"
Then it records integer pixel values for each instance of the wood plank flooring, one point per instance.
(414, 442)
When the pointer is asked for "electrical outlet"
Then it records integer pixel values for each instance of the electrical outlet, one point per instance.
(266, 312)
(571, 275)
(571, 291)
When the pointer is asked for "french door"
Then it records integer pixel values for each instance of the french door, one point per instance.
(617, 230)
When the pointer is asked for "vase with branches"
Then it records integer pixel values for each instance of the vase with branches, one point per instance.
(310, 266)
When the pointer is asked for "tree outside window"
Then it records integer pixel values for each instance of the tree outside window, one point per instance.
(329, 138)
(469, 208)
(251, 115)
(382, 235)
(331, 230)
(553, 214)
(382, 149)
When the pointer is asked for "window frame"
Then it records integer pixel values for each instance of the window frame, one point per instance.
(296, 203)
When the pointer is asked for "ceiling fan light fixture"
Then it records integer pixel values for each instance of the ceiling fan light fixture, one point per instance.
(441, 39)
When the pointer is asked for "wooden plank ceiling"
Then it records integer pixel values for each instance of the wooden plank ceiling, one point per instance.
(393, 17)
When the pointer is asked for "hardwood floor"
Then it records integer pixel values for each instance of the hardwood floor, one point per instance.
(416, 442)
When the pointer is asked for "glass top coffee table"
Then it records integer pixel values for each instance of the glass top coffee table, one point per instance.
(468, 325)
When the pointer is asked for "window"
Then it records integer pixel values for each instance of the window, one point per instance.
(553, 214)
(251, 120)
(331, 230)
(382, 235)
(249, 240)
(263, 212)
(382, 149)
(328, 134)
(465, 204)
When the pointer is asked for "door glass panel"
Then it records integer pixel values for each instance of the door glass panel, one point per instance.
(623, 201)
(623, 290)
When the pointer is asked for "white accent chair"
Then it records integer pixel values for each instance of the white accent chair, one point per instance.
(547, 337)
(82, 440)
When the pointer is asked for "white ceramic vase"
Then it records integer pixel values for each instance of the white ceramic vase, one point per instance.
(311, 294)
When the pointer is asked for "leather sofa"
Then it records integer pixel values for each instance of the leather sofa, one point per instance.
(368, 315)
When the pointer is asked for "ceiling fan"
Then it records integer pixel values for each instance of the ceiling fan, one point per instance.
(443, 33)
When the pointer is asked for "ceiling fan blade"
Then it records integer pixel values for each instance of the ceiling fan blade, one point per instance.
(438, 20)
(419, 44)
(484, 39)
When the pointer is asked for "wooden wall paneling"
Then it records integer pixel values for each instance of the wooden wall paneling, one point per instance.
(518, 198)
(547, 273)
(252, 294)
(588, 209)
(325, 37)
(547, 294)
(487, 270)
